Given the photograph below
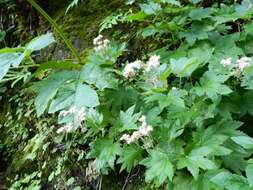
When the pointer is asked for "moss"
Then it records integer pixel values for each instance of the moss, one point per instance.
(82, 22)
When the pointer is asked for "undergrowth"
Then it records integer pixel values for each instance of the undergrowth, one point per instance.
(164, 103)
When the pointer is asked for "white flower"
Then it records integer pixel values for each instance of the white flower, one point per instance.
(78, 114)
(143, 118)
(143, 131)
(125, 137)
(65, 129)
(226, 62)
(243, 63)
(60, 130)
(100, 43)
(98, 40)
(153, 62)
(106, 42)
(129, 71)
(131, 68)
(136, 64)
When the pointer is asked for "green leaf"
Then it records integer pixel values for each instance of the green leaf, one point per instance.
(128, 119)
(139, 16)
(55, 65)
(78, 95)
(184, 67)
(130, 157)
(151, 8)
(244, 9)
(14, 56)
(100, 77)
(245, 141)
(174, 97)
(201, 13)
(230, 181)
(203, 51)
(249, 172)
(248, 78)
(212, 85)
(194, 162)
(40, 42)
(105, 152)
(71, 5)
(159, 167)
(64, 100)
(172, 2)
(2, 35)
(247, 101)
(48, 88)
(85, 96)
(225, 14)
(198, 31)
(8, 59)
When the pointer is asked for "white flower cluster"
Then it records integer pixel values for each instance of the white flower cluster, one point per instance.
(132, 68)
(143, 131)
(226, 62)
(153, 62)
(242, 63)
(78, 117)
(100, 42)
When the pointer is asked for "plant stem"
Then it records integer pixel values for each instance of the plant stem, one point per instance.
(56, 27)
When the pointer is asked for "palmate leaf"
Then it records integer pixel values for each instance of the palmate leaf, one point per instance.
(81, 96)
(159, 167)
(208, 143)
(128, 119)
(174, 97)
(48, 88)
(122, 98)
(198, 31)
(184, 67)
(225, 14)
(105, 152)
(201, 13)
(100, 77)
(76, 93)
(130, 157)
(229, 181)
(212, 85)
(202, 50)
(194, 162)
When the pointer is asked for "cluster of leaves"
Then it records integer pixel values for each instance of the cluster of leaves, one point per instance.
(195, 105)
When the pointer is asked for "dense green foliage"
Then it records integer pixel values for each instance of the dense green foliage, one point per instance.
(170, 94)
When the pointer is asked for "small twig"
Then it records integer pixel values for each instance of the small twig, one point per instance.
(136, 173)
(126, 181)
(100, 183)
